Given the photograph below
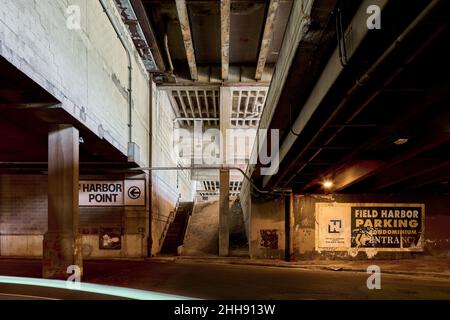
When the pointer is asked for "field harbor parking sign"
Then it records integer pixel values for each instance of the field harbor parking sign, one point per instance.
(99, 193)
(363, 226)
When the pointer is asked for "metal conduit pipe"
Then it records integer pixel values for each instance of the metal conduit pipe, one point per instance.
(166, 46)
(150, 169)
(149, 176)
(130, 67)
(369, 99)
(273, 191)
(359, 84)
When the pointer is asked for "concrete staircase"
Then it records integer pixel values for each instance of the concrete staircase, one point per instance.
(177, 229)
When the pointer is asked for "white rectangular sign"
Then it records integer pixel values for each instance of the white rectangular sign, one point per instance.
(100, 193)
(374, 226)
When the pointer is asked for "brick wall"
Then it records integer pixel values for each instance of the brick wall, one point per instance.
(23, 204)
(86, 69)
(23, 208)
(23, 221)
(167, 186)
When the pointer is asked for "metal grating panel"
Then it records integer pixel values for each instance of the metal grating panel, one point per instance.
(212, 188)
(248, 105)
(194, 103)
(197, 103)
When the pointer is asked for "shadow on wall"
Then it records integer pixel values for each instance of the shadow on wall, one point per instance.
(238, 237)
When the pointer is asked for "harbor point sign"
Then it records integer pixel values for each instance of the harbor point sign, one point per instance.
(364, 226)
(99, 193)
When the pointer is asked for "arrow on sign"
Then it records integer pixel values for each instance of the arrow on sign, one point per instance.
(134, 192)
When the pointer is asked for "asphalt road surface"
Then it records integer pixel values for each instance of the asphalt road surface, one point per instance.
(223, 281)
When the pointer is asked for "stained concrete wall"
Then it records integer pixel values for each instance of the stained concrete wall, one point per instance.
(246, 204)
(23, 204)
(86, 69)
(23, 220)
(437, 224)
(202, 237)
(238, 236)
(267, 228)
(23, 214)
(202, 233)
(167, 186)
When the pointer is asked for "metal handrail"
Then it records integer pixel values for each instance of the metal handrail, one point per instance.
(169, 221)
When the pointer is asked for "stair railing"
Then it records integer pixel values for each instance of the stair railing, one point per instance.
(169, 221)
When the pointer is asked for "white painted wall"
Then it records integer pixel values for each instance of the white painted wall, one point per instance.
(133, 246)
(167, 186)
(85, 69)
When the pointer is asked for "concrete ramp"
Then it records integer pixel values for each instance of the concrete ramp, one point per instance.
(202, 234)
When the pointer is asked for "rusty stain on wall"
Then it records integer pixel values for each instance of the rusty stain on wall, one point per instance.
(269, 238)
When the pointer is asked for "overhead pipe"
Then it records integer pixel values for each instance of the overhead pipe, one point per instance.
(273, 191)
(360, 83)
(149, 176)
(368, 100)
(144, 21)
(329, 75)
(179, 168)
(214, 119)
(135, 24)
(166, 45)
(130, 68)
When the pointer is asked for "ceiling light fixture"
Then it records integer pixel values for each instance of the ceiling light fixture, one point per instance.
(328, 184)
(400, 141)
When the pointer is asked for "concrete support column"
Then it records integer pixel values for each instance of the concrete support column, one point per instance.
(289, 226)
(224, 209)
(62, 242)
(224, 213)
(226, 101)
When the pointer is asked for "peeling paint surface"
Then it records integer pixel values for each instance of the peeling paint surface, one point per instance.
(434, 240)
(132, 22)
(269, 238)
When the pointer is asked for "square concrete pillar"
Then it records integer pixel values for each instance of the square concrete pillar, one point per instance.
(62, 242)
(226, 105)
(224, 213)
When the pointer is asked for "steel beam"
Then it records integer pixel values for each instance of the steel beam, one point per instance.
(407, 174)
(183, 16)
(225, 8)
(149, 34)
(267, 38)
(331, 72)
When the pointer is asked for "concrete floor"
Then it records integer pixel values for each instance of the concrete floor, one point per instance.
(222, 281)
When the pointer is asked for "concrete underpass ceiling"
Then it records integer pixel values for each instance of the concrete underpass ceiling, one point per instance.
(247, 22)
(191, 103)
(390, 137)
(203, 57)
(26, 113)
